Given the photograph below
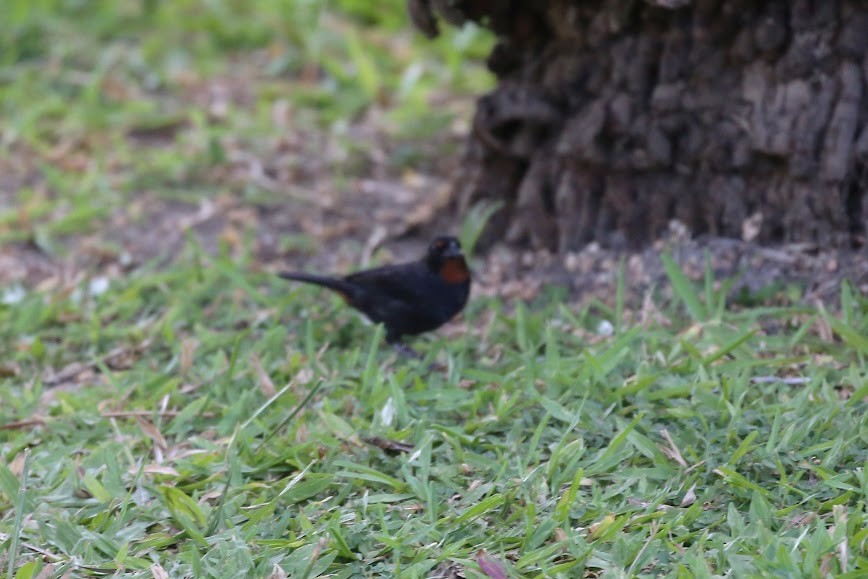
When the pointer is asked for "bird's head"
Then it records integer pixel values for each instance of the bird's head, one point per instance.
(446, 258)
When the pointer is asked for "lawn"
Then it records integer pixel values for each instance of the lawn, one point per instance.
(169, 408)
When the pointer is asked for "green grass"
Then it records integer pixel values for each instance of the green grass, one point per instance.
(215, 421)
(554, 449)
(106, 99)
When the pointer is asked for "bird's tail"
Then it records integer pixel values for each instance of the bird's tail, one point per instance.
(335, 284)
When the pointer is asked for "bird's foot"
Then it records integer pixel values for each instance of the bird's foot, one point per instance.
(408, 352)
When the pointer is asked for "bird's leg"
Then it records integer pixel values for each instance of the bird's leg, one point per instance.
(408, 352)
(405, 350)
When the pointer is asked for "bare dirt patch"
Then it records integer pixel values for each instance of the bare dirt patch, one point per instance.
(325, 211)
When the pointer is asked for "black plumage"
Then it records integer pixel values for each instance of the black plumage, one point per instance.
(408, 298)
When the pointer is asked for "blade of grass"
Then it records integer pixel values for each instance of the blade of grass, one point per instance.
(726, 349)
(619, 297)
(474, 224)
(218, 510)
(850, 336)
(292, 414)
(684, 289)
(18, 525)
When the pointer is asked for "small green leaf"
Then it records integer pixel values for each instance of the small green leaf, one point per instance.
(684, 289)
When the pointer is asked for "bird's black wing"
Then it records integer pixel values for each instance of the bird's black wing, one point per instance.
(405, 282)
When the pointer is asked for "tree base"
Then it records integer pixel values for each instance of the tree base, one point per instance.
(613, 118)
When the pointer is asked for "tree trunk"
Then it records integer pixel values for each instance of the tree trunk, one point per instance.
(612, 118)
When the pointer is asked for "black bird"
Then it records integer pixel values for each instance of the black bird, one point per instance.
(407, 298)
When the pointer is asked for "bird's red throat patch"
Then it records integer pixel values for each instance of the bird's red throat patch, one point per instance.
(454, 270)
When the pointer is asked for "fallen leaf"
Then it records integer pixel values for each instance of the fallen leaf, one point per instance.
(672, 451)
(689, 496)
(158, 469)
(9, 371)
(17, 465)
(389, 445)
(152, 432)
(188, 351)
(265, 383)
(490, 566)
(35, 420)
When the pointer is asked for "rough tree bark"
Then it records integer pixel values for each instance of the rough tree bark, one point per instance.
(611, 118)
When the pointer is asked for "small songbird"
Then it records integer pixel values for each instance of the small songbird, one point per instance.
(407, 298)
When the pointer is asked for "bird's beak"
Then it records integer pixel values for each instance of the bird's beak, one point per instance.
(453, 251)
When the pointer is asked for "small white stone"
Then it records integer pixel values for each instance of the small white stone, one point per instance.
(98, 286)
(605, 328)
(13, 295)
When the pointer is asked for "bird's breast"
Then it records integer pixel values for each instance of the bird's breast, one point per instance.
(455, 271)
